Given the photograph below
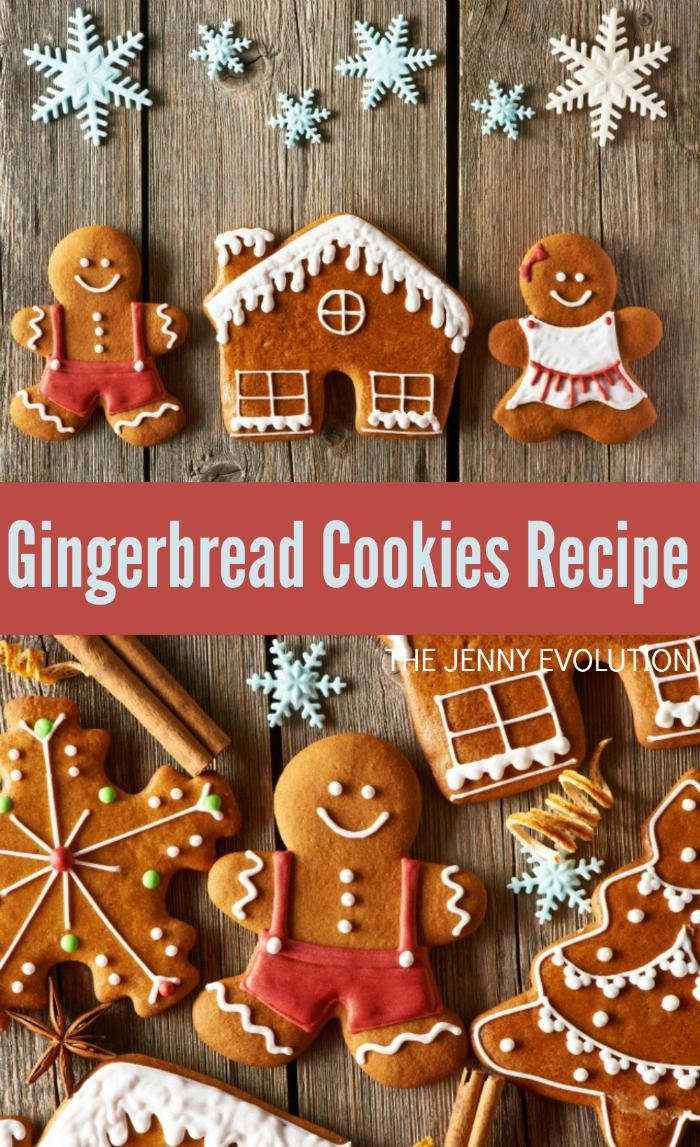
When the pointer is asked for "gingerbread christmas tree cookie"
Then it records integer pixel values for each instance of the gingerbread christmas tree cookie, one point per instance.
(611, 1020)
(86, 866)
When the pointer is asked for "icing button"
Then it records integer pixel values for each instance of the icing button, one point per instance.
(605, 954)
(99, 349)
(651, 1102)
(580, 1075)
(608, 321)
(55, 364)
(530, 324)
(407, 959)
(99, 331)
(18, 987)
(347, 875)
(139, 365)
(507, 1045)
(347, 900)
(600, 1019)
(97, 317)
(344, 926)
(688, 855)
(274, 946)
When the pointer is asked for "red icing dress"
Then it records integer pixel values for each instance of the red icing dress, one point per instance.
(78, 386)
(304, 982)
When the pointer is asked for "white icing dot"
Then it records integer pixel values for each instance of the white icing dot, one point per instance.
(105, 263)
(600, 1019)
(507, 1045)
(635, 915)
(335, 788)
(171, 950)
(689, 805)
(688, 855)
(14, 754)
(604, 955)
(173, 851)
(176, 794)
(16, 775)
(70, 751)
(139, 365)
(344, 926)
(560, 277)
(670, 1003)
(28, 969)
(347, 875)
(84, 262)
(97, 317)
(74, 771)
(579, 276)
(55, 364)
(695, 916)
(156, 933)
(99, 349)
(274, 945)
(368, 791)
(676, 904)
(347, 900)
(17, 987)
(407, 959)
(154, 802)
(115, 979)
(580, 1075)
(99, 331)
(651, 1102)
(196, 840)
(102, 961)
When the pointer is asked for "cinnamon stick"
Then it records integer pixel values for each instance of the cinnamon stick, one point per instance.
(186, 733)
(474, 1109)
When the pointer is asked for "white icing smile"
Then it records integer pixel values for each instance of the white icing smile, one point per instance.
(568, 303)
(360, 834)
(97, 290)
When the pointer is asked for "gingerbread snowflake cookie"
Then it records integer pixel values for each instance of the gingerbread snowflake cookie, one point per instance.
(100, 346)
(573, 349)
(340, 295)
(86, 867)
(612, 1018)
(345, 921)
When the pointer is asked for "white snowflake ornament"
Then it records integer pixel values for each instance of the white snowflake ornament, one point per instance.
(556, 882)
(88, 79)
(296, 686)
(299, 118)
(503, 110)
(221, 50)
(608, 77)
(386, 63)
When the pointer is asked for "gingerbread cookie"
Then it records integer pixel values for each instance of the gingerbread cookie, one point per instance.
(573, 349)
(340, 295)
(498, 715)
(86, 867)
(345, 922)
(612, 1018)
(140, 1102)
(100, 345)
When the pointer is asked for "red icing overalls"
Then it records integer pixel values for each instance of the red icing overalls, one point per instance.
(78, 386)
(303, 982)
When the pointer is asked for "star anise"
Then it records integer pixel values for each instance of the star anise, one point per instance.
(65, 1040)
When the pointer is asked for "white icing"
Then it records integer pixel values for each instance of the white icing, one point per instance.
(156, 933)
(251, 892)
(351, 317)
(349, 834)
(97, 290)
(345, 926)
(687, 712)
(575, 303)
(507, 1045)
(453, 903)
(277, 416)
(335, 789)
(410, 409)
(39, 406)
(368, 792)
(288, 266)
(522, 759)
(123, 1095)
(167, 324)
(35, 326)
(164, 406)
(406, 1037)
(266, 1033)
(560, 357)
(232, 243)
(347, 875)
(11, 1131)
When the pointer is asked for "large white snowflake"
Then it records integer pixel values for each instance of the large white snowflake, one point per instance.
(88, 79)
(608, 77)
(221, 50)
(295, 686)
(556, 882)
(386, 64)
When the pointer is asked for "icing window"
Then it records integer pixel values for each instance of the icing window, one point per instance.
(674, 671)
(402, 401)
(269, 400)
(342, 312)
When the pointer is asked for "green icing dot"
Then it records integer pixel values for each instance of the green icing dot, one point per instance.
(5, 804)
(151, 879)
(70, 942)
(108, 795)
(213, 802)
(43, 727)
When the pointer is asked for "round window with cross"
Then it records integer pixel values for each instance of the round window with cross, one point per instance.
(342, 312)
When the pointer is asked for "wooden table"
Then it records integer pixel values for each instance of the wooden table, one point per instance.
(204, 160)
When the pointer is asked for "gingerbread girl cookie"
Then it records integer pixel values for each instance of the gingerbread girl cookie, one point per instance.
(611, 1021)
(573, 349)
(100, 345)
(345, 922)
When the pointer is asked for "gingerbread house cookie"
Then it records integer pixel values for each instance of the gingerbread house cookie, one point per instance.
(340, 295)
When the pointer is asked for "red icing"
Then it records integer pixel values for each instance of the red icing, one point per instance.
(304, 982)
(61, 859)
(531, 324)
(538, 255)
(166, 988)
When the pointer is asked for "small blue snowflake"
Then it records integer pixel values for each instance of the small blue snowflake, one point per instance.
(503, 109)
(386, 64)
(221, 49)
(88, 80)
(295, 686)
(299, 118)
(556, 882)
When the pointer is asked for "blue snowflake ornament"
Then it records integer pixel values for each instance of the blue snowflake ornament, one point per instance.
(504, 110)
(386, 63)
(556, 882)
(88, 78)
(299, 118)
(221, 50)
(295, 686)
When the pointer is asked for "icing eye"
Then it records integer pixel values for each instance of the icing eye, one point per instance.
(84, 262)
(105, 263)
(368, 792)
(560, 277)
(579, 276)
(335, 788)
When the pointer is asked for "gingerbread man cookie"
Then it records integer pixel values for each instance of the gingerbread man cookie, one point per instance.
(100, 345)
(573, 349)
(611, 1021)
(345, 921)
